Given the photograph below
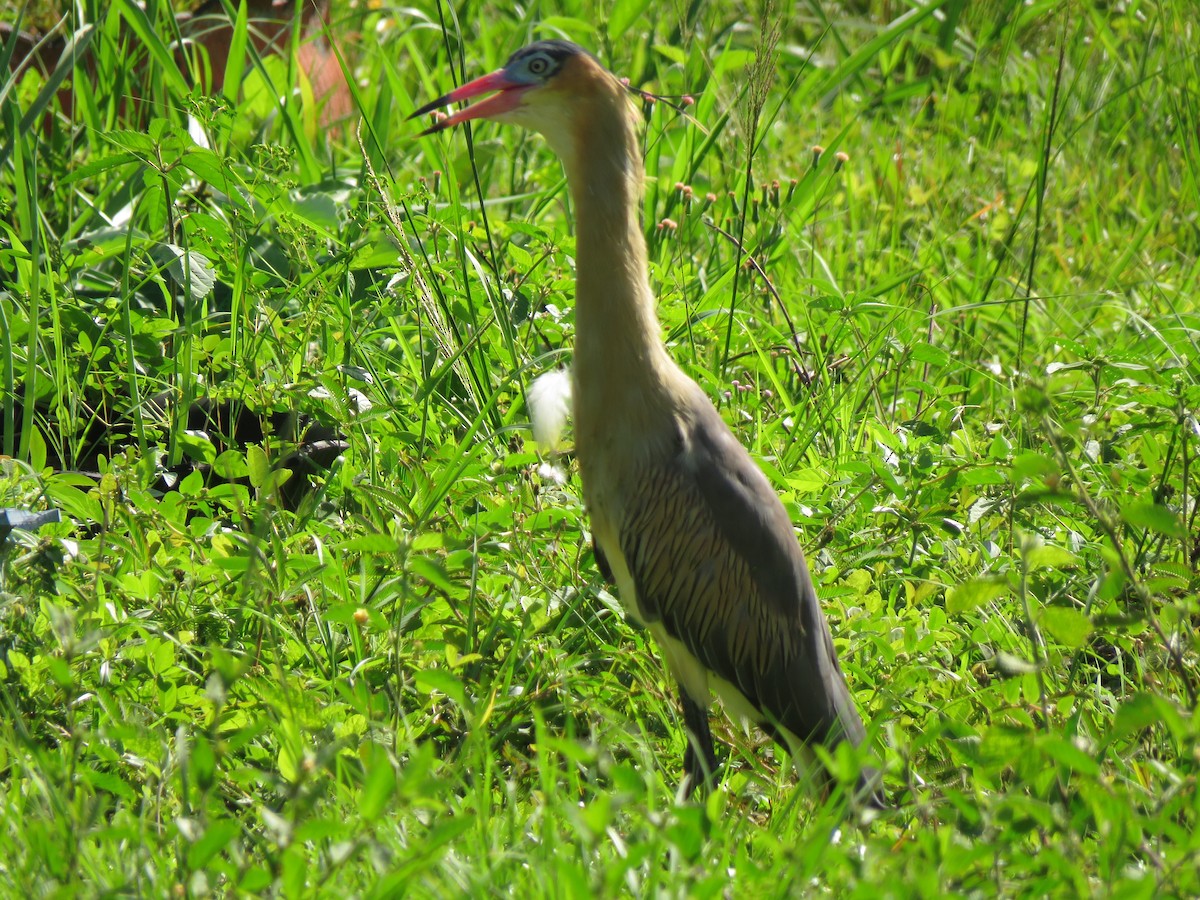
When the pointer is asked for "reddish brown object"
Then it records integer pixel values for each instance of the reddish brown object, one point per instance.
(270, 24)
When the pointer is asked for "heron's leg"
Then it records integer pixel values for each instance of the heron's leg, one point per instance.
(699, 761)
(602, 564)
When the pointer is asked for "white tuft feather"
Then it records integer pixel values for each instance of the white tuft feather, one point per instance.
(552, 474)
(549, 404)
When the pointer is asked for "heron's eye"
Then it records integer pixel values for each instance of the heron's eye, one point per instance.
(539, 65)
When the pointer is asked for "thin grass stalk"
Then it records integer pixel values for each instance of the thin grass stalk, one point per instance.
(1052, 121)
(477, 363)
(762, 73)
(29, 229)
(9, 401)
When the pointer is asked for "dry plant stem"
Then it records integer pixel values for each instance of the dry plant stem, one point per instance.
(762, 73)
(1110, 531)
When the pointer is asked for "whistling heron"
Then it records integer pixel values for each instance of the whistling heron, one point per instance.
(698, 544)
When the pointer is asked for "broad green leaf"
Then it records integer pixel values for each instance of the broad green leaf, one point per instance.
(730, 60)
(317, 209)
(807, 481)
(197, 446)
(74, 502)
(1033, 466)
(928, 353)
(209, 167)
(321, 829)
(258, 465)
(1154, 517)
(975, 593)
(37, 450)
(275, 479)
(1067, 754)
(1069, 627)
(204, 761)
(1135, 715)
(443, 681)
(162, 657)
(676, 55)
(1049, 556)
(192, 483)
(426, 568)
(686, 832)
(139, 144)
(374, 542)
(103, 164)
(255, 880)
(286, 761)
(191, 270)
(294, 875)
(428, 540)
(231, 464)
(106, 781)
(379, 786)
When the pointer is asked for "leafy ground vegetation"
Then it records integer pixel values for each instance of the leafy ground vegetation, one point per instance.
(962, 338)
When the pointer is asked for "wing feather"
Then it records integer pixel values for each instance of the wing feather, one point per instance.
(714, 558)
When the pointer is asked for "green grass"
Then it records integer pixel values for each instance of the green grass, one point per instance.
(967, 354)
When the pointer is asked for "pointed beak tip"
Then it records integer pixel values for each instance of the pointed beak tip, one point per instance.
(507, 99)
(440, 121)
(431, 106)
(432, 129)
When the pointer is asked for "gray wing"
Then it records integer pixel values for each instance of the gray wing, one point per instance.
(714, 558)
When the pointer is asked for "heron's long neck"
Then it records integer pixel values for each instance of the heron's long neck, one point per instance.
(620, 361)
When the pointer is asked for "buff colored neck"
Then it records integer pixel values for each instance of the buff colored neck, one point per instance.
(622, 370)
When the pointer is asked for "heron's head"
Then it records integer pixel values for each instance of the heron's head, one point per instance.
(553, 87)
